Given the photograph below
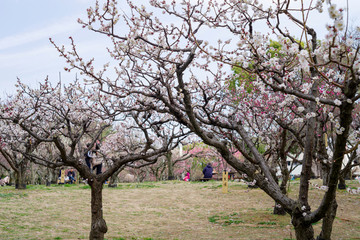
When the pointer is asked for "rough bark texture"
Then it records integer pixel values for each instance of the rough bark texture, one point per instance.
(170, 166)
(304, 232)
(342, 184)
(98, 224)
(114, 177)
(328, 221)
(20, 181)
(278, 209)
(325, 169)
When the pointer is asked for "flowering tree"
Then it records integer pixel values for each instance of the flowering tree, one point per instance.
(61, 119)
(4, 165)
(173, 66)
(13, 139)
(16, 143)
(197, 155)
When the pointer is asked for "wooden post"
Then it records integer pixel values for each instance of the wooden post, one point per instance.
(326, 140)
(225, 180)
(77, 177)
(62, 176)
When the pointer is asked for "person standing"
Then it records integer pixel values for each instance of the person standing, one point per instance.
(88, 156)
(96, 163)
(92, 160)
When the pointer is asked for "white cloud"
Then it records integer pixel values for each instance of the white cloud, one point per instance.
(65, 26)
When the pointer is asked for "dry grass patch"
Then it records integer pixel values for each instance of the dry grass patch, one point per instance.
(162, 210)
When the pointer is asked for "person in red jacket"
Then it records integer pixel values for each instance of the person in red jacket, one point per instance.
(187, 177)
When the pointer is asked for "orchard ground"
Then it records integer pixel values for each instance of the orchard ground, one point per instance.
(162, 210)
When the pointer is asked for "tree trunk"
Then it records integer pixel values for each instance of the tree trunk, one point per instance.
(20, 181)
(325, 173)
(32, 174)
(342, 184)
(12, 178)
(114, 177)
(170, 166)
(302, 231)
(328, 221)
(54, 173)
(98, 224)
(278, 209)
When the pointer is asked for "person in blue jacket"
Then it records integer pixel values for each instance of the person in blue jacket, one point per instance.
(207, 171)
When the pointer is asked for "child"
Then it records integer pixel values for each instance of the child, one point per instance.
(187, 177)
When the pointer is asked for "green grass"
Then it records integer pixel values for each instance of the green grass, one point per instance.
(38, 187)
(250, 216)
(136, 186)
(10, 195)
(267, 223)
(214, 219)
(226, 220)
(6, 195)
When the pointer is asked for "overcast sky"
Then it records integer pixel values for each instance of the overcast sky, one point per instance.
(26, 25)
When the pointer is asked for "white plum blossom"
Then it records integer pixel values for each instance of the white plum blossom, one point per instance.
(305, 87)
(337, 102)
(298, 120)
(340, 131)
(294, 48)
(310, 115)
(333, 12)
(339, 24)
(304, 64)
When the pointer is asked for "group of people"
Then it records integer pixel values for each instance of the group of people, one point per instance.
(66, 176)
(207, 171)
(92, 160)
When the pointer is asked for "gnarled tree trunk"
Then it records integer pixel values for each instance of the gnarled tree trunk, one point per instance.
(170, 166)
(328, 221)
(20, 180)
(303, 231)
(114, 177)
(98, 224)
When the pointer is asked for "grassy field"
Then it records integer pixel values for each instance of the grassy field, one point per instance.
(161, 210)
